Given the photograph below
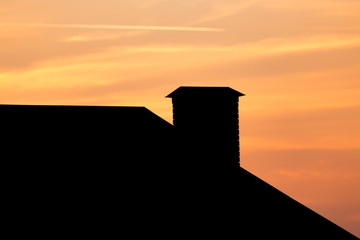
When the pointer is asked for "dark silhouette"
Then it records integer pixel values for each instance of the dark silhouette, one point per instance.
(207, 121)
(124, 171)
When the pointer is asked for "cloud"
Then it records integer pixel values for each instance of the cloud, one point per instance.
(105, 35)
(223, 9)
(344, 8)
(113, 27)
(216, 63)
(83, 38)
(287, 92)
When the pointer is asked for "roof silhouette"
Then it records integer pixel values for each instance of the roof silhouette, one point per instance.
(120, 171)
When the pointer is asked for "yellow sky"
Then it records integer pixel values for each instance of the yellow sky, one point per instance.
(298, 62)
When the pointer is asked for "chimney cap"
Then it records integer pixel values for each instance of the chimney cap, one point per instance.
(204, 91)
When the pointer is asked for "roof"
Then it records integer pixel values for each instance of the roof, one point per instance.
(91, 170)
(204, 91)
(134, 116)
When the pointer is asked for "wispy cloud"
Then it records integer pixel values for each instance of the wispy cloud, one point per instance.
(80, 38)
(225, 9)
(113, 27)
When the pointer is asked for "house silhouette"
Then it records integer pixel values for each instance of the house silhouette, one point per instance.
(123, 171)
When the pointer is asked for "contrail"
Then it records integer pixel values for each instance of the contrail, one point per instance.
(114, 27)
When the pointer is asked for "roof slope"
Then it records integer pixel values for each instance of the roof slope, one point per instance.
(278, 214)
(228, 204)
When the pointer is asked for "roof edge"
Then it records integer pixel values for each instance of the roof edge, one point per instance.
(194, 90)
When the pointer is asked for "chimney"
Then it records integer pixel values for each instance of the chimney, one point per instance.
(206, 120)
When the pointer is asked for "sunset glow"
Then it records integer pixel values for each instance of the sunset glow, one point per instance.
(298, 62)
(110, 27)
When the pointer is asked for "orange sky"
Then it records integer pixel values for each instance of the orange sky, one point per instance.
(298, 62)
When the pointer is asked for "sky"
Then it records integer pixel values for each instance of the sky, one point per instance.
(298, 62)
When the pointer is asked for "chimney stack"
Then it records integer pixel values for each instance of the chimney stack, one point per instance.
(206, 120)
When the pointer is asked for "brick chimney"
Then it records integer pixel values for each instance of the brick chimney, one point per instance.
(207, 122)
